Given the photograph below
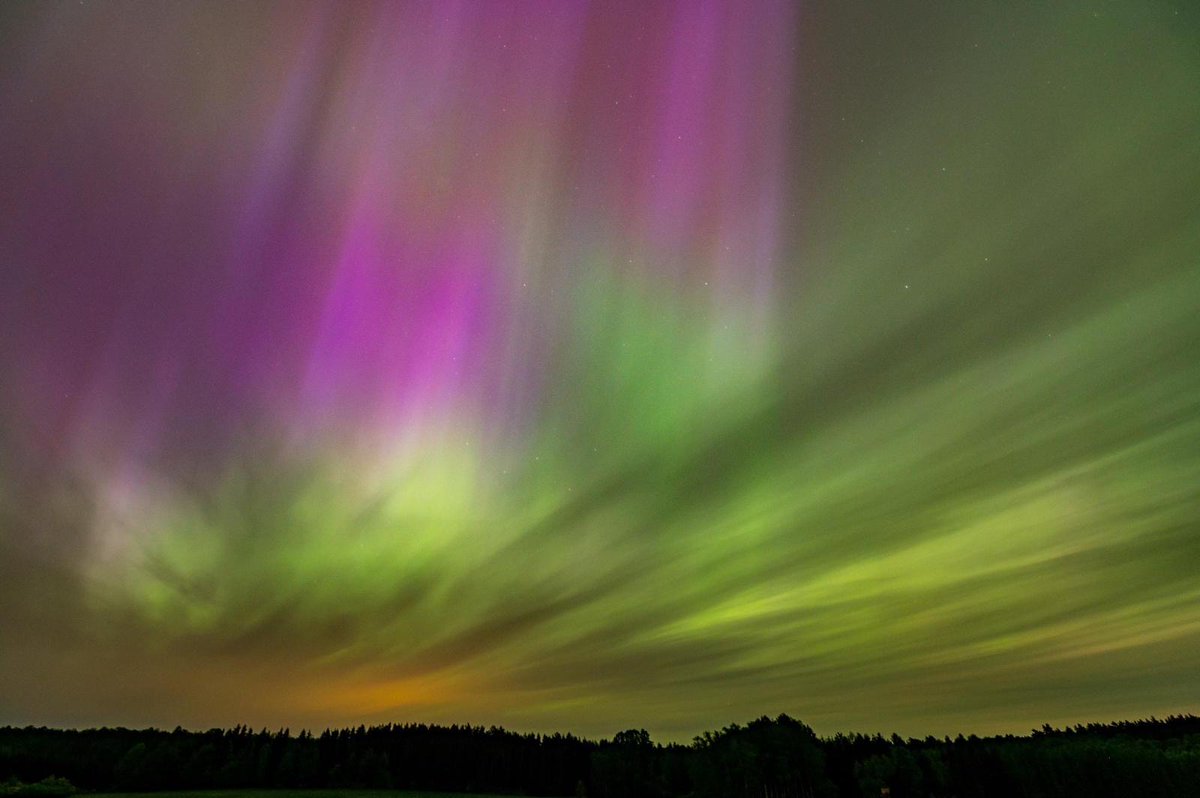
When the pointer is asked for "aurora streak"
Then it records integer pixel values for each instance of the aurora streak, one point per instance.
(592, 366)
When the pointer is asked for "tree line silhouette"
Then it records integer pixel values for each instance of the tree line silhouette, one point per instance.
(766, 758)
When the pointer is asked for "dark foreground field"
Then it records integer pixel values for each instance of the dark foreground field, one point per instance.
(299, 794)
(766, 758)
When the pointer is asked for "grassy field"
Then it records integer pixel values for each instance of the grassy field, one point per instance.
(284, 793)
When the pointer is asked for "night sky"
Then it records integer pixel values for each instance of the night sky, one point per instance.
(590, 366)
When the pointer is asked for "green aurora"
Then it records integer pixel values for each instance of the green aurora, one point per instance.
(927, 460)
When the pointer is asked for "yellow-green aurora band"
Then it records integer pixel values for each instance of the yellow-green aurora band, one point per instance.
(582, 368)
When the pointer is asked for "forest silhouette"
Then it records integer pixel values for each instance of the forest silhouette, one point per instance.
(766, 758)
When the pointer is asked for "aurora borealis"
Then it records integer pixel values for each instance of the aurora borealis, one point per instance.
(587, 366)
